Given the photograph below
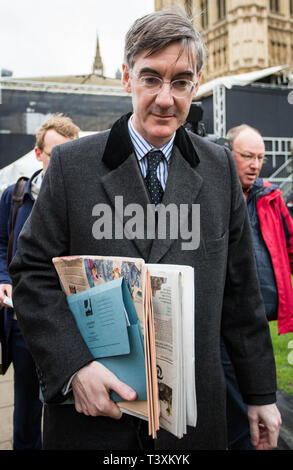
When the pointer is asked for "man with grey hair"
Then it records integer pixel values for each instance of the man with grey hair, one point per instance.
(272, 227)
(147, 158)
(272, 234)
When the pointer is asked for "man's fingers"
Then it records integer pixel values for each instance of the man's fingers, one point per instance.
(91, 388)
(272, 435)
(5, 289)
(113, 410)
(254, 432)
(272, 429)
(122, 389)
(265, 422)
(102, 407)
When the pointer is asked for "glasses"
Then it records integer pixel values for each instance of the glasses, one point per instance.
(151, 85)
(249, 158)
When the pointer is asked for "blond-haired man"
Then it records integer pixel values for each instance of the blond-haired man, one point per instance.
(27, 407)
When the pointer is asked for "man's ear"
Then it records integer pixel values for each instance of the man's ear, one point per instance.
(38, 154)
(126, 78)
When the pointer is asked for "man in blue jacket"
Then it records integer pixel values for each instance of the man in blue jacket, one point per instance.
(27, 406)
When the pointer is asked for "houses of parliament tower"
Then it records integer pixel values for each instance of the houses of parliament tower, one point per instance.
(241, 35)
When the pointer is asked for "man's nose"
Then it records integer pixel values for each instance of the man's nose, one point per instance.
(255, 163)
(164, 97)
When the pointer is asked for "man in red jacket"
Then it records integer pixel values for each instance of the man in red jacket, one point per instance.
(272, 233)
(272, 226)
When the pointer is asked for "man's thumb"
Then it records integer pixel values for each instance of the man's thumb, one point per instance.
(123, 390)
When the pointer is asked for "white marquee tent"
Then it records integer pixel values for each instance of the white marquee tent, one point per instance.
(24, 166)
(242, 79)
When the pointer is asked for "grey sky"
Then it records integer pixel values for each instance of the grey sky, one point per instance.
(58, 37)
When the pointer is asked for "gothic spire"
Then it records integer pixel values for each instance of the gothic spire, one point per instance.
(98, 67)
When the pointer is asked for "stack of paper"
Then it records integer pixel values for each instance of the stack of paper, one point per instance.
(163, 297)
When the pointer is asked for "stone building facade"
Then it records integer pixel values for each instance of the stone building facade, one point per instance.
(241, 35)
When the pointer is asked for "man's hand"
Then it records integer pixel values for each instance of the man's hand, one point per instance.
(5, 289)
(91, 386)
(265, 422)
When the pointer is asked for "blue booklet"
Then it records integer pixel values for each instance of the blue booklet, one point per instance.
(108, 323)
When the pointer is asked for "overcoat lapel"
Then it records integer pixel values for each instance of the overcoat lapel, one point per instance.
(125, 181)
(183, 187)
(124, 186)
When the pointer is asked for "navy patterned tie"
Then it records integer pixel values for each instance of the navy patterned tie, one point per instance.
(151, 179)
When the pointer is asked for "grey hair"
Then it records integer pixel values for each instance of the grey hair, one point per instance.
(234, 132)
(157, 30)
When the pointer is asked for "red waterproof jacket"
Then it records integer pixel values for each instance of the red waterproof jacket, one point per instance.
(277, 230)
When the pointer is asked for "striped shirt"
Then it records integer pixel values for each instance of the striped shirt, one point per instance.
(142, 148)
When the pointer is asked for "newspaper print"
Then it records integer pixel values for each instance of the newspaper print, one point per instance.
(166, 313)
(78, 273)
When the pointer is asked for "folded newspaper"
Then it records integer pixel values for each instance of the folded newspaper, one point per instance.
(163, 296)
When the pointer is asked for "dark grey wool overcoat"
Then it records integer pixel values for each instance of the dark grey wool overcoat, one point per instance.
(94, 170)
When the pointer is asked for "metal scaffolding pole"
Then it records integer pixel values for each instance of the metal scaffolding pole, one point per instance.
(219, 109)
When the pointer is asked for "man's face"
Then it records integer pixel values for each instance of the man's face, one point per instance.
(248, 151)
(51, 139)
(156, 117)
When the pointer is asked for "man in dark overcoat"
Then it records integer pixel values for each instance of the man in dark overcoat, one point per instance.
(147, 158)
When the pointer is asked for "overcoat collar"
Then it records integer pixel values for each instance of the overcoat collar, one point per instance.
(119, 145)
(125, 183)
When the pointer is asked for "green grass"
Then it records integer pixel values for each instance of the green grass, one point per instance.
(283, 351)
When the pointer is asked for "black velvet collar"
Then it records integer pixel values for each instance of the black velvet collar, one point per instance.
(119, 145)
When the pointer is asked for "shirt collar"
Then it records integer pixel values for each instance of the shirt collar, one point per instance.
(38, 179)
(142, 147)
(119, 145)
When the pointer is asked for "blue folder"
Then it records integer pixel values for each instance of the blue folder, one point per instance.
(113, 337)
